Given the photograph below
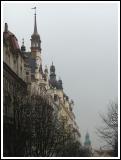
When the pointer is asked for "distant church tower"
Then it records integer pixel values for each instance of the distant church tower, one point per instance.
(36, 51)
(87, 142)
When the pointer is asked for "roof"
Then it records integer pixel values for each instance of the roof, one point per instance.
(8, 36)
(56, 84)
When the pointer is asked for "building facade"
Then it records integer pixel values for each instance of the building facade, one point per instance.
(24, 75)
(14, 86)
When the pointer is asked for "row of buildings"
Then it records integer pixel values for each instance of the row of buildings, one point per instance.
(23, 74)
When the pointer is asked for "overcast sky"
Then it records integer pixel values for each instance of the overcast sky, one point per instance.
(81, 40)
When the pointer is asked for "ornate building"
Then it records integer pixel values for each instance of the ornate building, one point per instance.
(24, 74)
(14, 85)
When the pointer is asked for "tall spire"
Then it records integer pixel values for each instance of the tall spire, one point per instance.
(35, 22)
(35, 38)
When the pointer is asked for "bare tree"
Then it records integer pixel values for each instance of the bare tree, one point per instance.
(38, 132)
(37, 117)
(109, 132)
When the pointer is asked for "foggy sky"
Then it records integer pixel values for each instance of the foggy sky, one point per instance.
(81, 40)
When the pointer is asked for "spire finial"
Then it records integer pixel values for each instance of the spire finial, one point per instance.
(35, 10)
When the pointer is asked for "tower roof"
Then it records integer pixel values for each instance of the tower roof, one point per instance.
(60, 84)
(52, 68)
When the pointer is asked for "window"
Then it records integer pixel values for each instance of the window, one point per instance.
(55, 97)
(21, 70)
(8, 58)
(27, 73)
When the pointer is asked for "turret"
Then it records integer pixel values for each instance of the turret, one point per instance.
(53, 81)
(52, 72)
(23, 48)
(60, 84)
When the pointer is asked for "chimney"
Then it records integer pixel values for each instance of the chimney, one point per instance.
(6, 27)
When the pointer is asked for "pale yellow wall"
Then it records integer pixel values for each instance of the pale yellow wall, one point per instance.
(70, 123)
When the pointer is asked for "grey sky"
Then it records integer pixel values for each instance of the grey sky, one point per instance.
(81, 40)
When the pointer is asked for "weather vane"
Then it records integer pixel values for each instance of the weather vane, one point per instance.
(35, 9)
